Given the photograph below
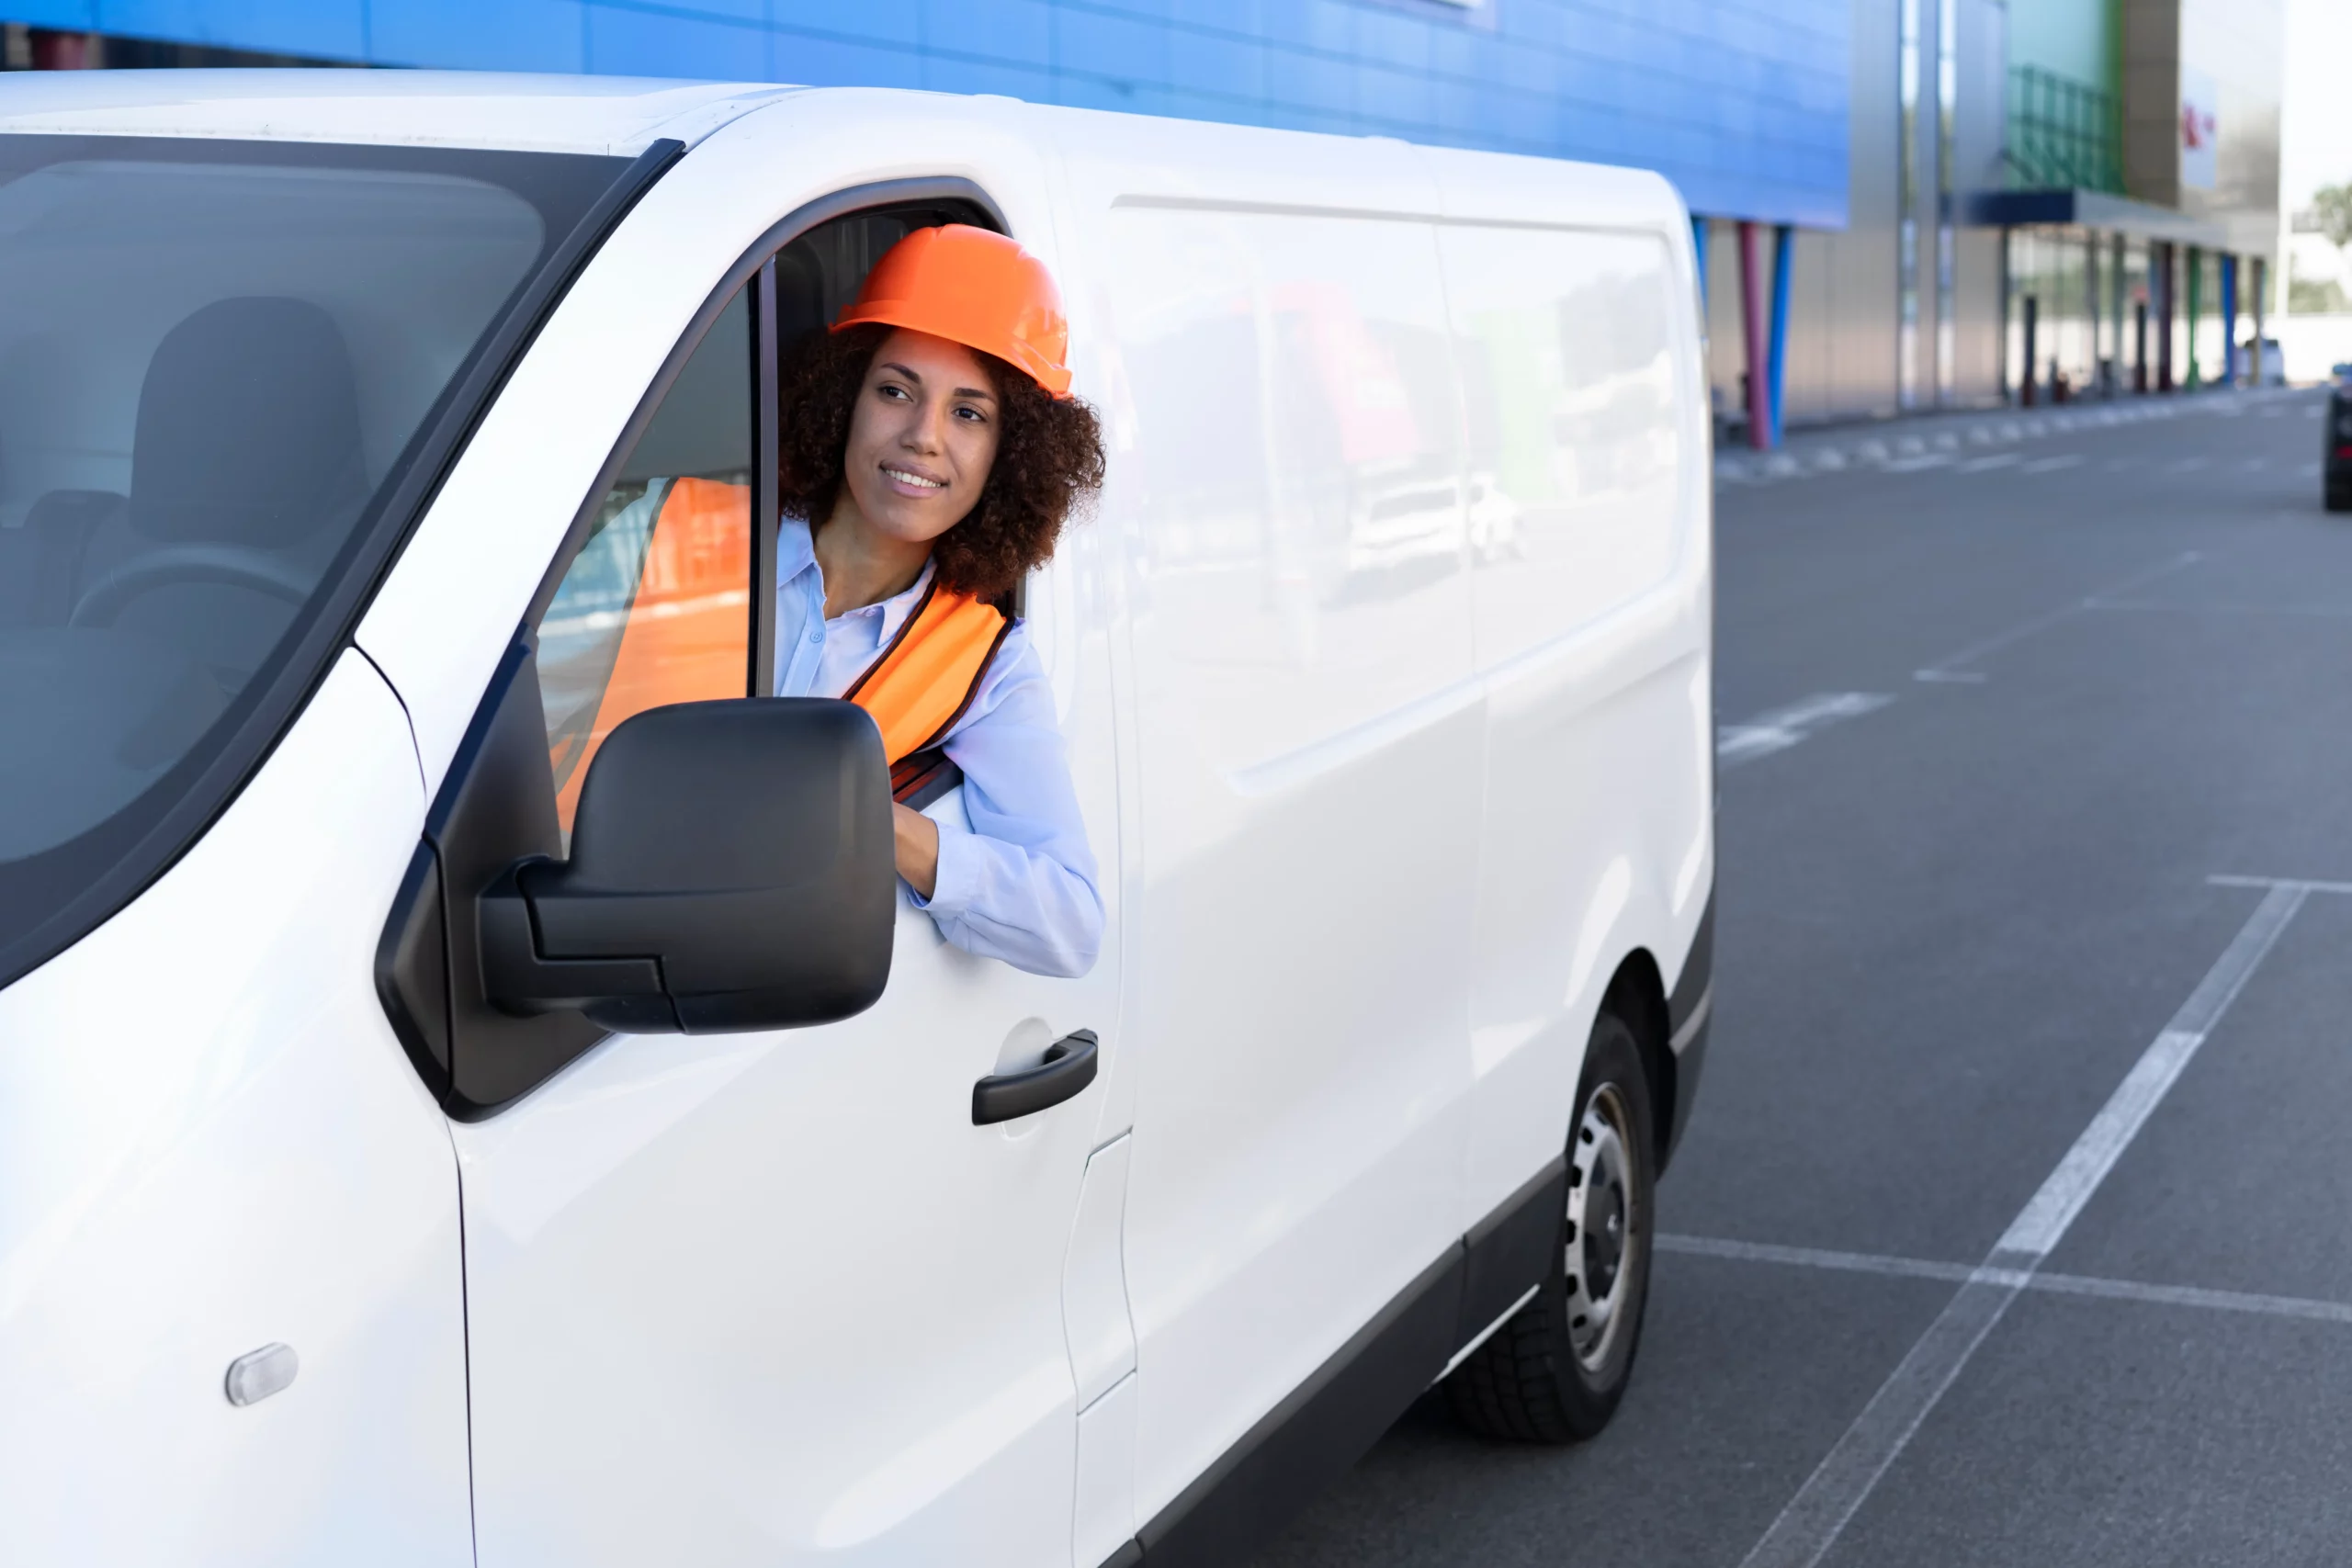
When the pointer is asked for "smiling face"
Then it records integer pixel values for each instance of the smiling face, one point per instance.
(922, 437)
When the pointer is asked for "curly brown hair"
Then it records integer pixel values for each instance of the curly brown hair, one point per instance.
(1048, 459)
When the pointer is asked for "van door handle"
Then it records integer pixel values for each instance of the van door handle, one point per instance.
(1068, 1068)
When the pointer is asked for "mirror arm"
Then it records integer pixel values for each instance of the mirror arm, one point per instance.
(620, 993)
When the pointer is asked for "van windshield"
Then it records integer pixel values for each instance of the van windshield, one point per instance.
(217, 360)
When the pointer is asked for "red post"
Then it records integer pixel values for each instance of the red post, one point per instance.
(56, 50)
(1752, 332)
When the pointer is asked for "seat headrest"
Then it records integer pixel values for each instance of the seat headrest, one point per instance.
(248, 427)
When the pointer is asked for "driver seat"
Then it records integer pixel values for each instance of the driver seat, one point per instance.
(247, 437)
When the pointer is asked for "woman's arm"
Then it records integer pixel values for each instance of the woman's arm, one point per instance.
(918, 848)
(1021, 886)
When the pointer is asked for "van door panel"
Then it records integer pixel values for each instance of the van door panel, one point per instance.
(774, 1297)
(1287, 475)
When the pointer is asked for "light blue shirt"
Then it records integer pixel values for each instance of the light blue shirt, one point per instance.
(1020, 886)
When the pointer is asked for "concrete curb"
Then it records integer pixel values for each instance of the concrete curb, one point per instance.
(1934, 440)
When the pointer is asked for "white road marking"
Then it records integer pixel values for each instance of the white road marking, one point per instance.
(1948, 671)
(1816, 1257)
(1997, 461)
(2308, 471)
(1913, 465)
(2297, 611)
(1810, 1525)
(1783, 727)
(2301, 883)
(2052, 465)
(2184, 464)
(2055, 1284)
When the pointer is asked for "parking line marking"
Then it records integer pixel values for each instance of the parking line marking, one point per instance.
(1783, 727)
(1946, 669)
(2303, 1307)
(1816, 1257)
(2052, 465)
(2224, 880)
(1997, 461)
(2292, 612)
(1850, 1471)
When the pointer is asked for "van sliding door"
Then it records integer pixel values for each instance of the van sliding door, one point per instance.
(1589, 602)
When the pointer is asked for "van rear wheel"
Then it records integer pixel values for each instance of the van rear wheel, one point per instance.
(1555, 1370)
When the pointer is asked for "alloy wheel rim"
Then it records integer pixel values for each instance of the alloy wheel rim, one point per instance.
(1603, 1228)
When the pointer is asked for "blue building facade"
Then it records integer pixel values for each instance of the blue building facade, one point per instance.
(1742, 103)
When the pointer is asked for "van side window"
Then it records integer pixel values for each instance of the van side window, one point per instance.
(1566, 345)
(656, 608)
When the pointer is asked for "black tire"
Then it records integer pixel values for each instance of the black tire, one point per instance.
(2338, 498)
(1550, 1375)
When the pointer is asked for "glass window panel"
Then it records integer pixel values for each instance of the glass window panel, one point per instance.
(656, 608)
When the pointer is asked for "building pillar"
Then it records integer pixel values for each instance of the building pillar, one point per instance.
(1752, 332)
(2094, 384)
(2229, 320)
(1776, 377)
(2027, 395)
(2261, 279)
(2115, 301)
(2163, 279)
(2196, 308)
(1699, 249)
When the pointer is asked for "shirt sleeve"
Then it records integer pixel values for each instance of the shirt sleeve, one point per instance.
(1021, 886)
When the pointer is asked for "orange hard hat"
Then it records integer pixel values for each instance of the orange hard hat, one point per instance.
(975, 288)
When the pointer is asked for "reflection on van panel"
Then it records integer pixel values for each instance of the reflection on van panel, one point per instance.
(1277, 401)
(1569, 379)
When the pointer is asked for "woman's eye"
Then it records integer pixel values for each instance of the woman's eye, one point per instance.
(897, 392)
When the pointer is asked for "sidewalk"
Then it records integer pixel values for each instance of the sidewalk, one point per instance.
(1903, 445)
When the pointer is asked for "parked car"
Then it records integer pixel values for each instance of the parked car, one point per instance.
(2274, 363)
(359, 1209)
(2335, 445)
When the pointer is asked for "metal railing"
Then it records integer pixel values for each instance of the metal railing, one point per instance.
(2061, 133)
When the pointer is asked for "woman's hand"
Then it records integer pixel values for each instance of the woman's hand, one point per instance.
(917, 839)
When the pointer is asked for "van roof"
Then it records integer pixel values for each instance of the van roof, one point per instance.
(622, 116)
(615, 114)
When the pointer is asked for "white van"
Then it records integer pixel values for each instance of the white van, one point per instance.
(362, 1199)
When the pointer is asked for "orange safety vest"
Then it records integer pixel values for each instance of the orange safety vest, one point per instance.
(687, 639)
(921, 683)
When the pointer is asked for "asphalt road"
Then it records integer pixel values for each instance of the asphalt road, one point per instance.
(2014, 1223)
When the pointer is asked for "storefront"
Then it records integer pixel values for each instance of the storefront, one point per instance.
(2104, 296)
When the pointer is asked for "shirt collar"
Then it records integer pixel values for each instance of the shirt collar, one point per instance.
(898, 606)
(796, 552)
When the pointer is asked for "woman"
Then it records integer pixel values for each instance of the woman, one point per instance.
(930, 454)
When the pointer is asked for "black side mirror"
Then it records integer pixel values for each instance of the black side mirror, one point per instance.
(731, 868)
